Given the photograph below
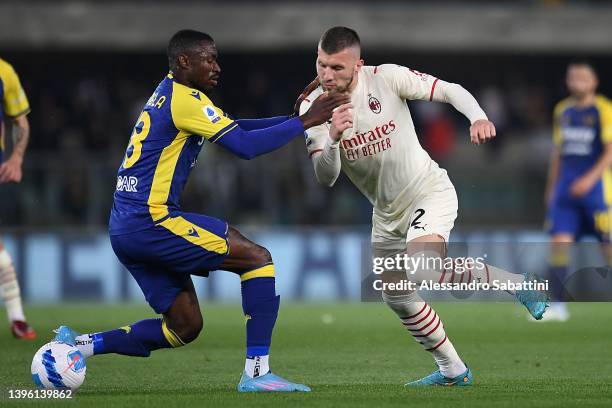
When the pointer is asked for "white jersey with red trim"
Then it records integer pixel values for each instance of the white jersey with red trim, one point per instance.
(381, 154)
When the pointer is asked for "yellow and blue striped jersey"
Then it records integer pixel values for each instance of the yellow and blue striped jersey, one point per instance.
(14, 100)
(163, 148)
(581, 134)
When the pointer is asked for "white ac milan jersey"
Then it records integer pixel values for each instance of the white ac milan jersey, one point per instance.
(381, 154)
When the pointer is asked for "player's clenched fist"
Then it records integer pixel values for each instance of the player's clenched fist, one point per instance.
(10, 172)
(342, 119)
(482, 131)
(321, 109)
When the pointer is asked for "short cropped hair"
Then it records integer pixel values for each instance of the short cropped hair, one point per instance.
(338, 38)
(184, 41)
(582, 63)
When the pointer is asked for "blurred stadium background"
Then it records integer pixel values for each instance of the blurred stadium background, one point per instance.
(89, 66)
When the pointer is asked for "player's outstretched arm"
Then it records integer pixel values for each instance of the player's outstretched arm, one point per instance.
(411, 84)
(248, 144)
(261, 123)
(252, 124)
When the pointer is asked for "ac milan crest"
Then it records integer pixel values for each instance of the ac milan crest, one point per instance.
(374, 104)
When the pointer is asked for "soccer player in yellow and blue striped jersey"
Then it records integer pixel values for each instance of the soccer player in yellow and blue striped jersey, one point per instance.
(161, 245)
(14, 106)
(579, 188)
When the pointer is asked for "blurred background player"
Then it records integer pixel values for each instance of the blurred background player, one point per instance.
(579, 187)
(374, 142)
(16, 107)
(163, 246)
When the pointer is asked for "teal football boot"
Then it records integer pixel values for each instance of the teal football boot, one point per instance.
(536, 301)
(65, 334)
(269, 383)
(437, 378)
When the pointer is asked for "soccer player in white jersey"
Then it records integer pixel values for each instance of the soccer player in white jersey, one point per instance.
(373, 140)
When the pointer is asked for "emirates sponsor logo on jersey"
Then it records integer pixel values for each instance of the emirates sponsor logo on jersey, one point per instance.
(374, 104)
(368, 143)
(362, 138)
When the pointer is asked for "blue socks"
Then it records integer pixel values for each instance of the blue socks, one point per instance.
(260, 305)
(138, 339)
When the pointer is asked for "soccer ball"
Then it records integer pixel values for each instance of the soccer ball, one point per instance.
(58, 366)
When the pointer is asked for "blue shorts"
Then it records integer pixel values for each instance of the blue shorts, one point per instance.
(162, 258)
(588, 215)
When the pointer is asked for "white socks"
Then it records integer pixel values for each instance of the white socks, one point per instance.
(426, 327)
(9, 288)
(256, 366)
(503, 276)
(84, 343)
(448, 360)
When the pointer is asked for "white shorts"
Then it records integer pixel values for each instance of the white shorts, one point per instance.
(433, 212)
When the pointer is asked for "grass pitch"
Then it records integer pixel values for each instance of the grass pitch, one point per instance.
(350, 354)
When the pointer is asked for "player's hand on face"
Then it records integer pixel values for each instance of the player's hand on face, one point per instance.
(322, 108)
(482, 131)
(582, 186)
(10, 171)
(342, 119)
(307, 91)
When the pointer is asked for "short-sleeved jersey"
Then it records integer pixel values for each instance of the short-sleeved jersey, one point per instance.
(581, 133)
(14, 100)
(163, 148)
(381, 154)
